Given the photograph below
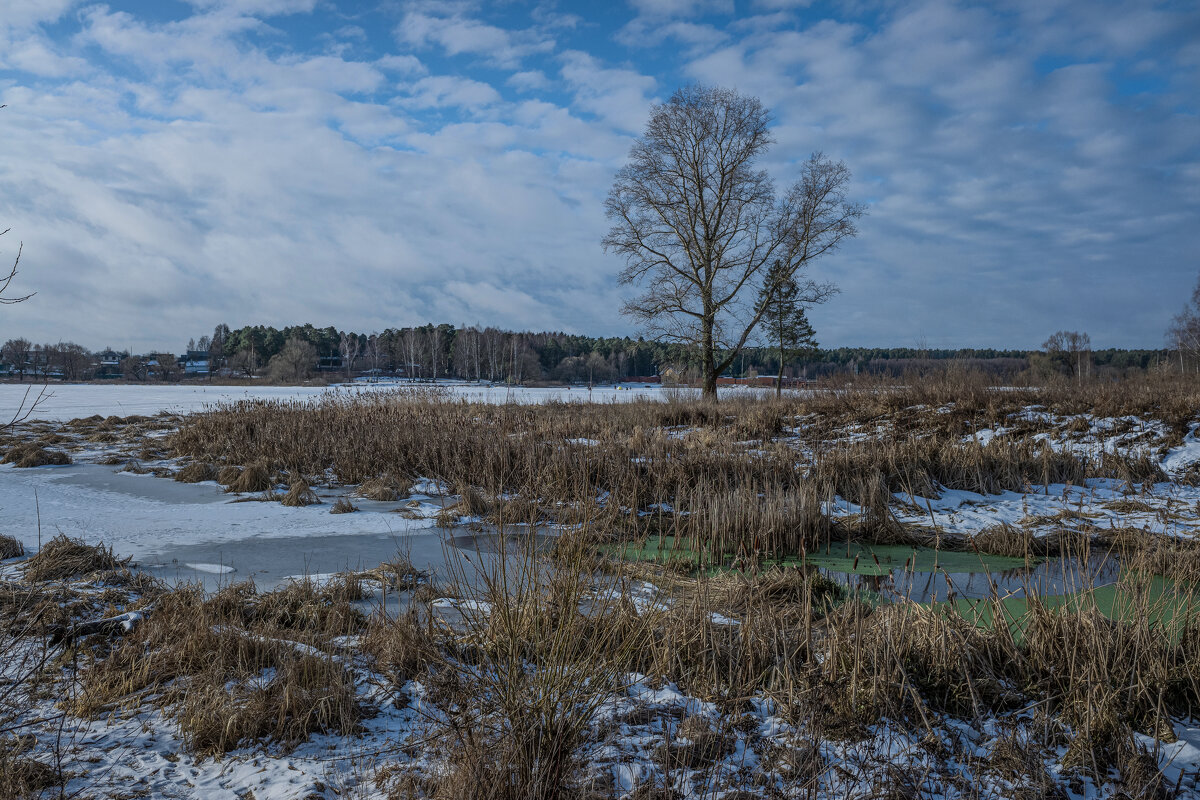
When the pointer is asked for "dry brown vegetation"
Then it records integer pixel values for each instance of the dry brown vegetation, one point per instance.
(32, 454)
(530, 661)
(523, 672)
(64, 558)
(522, 680)
(752, 474)
(236, 667)
(10, 547)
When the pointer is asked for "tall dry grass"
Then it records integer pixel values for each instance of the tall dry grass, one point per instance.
(751, 474)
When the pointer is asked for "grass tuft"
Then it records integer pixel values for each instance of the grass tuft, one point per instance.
(65, 558)
(300, 494)
(10, 547)
(197, 472)
(343, 506)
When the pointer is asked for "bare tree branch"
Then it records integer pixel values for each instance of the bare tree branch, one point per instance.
(6, 280)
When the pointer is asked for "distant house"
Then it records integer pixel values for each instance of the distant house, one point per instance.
(194, 362)
(671, 375)
(108, 364)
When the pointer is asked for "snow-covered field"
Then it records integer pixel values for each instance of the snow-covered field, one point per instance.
(70, 400)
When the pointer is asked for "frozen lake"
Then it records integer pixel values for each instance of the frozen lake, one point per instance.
(160, 521)
(71, 400)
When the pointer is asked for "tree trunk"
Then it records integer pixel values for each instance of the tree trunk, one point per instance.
(710, 361)
(779, 380)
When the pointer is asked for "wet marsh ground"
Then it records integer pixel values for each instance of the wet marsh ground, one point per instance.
(796, 598)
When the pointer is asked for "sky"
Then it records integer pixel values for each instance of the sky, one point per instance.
(168, 165)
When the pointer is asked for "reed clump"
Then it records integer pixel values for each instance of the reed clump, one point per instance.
(21, 775)
(197, 472)
(31, 454)
(255, 477)
(10, 547)
(343, 506)
(386, 488)
(300, 494)
(64, 558)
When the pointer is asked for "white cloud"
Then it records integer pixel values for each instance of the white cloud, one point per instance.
(681, 8)
(35, 55)
(20, 14)
(619, 97)
(265, 8)
(441, 91)
(458, 35)
(528, 81)
(404, 64)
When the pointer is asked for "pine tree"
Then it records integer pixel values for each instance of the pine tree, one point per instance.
(784, 320)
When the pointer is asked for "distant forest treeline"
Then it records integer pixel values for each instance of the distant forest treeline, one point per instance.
(491, 354)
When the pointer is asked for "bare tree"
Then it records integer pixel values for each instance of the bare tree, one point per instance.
(373, 352)
(133, 368)
(698, 224)
(1072, 350)
(493, 341)
(16, 352)
(167, 367)
(294, 363)
(434, 334)
(73, 359)
(410, 347)
(26, 408)
(1184, 333)
(597, 366)
(244, 362)
(348, 348)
